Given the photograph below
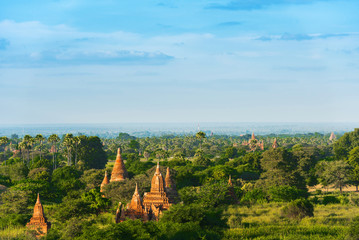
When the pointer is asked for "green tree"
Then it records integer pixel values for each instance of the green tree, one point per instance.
(280, 168)
(336, 173)
(96, 202)
(40, 139)
(53, 139)
(66, 179)
(68, 142)
(91, 153)
(3, 141)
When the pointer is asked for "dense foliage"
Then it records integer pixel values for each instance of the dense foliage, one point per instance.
(67, 170)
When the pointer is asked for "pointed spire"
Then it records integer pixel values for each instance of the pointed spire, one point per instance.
(136, 190)
(105, 181)
(230, 181)
(275, 144)
(158, 168)
(38, 220)
(253, 137)
(119, 172)
(332, 136)
(168, 180)
(38, 199)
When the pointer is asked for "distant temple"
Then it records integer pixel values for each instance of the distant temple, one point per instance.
(231, 191)
(161, 197)
(253, 143)
(105, 181)
(38, 222)
(119, 172)
(275, 144)
(332, 137)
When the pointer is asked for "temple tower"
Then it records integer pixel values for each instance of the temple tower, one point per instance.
(157, 196)
(170, 188)
(134, 209)
(119, 172)
(253, 137)
(332, 137)
(105, 181)
(38, 222)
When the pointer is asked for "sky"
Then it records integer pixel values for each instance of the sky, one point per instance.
(110, 61)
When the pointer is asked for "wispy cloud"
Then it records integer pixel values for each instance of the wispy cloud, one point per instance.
(4, 43)
(75, 57)
(247, 5)
(301, 37)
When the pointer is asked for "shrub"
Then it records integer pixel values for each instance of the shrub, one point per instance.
(298, 209)
(353, 229)
(256, 195)
(343, 200)
(330, 200)
(286, 193)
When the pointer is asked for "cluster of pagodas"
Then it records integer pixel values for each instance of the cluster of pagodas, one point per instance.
(254, 143)
(161, 196)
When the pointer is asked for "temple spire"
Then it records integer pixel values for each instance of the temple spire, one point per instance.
(105, 181)
(119, 172)
(332, 136)
(38, 221)
(253, 137)
(136, 190)
(158, 168)
(168, 180)
(230, 181)
(38, 199)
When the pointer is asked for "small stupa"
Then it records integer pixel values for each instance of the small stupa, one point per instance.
(332, 137)
(119, 172)
(105, 181)
(38, 222)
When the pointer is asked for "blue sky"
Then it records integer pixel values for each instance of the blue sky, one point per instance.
(109, 61)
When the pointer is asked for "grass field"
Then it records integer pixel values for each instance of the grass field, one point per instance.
(265, 222)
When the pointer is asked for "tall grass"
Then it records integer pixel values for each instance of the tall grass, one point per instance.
(15, 232)
(264, 221)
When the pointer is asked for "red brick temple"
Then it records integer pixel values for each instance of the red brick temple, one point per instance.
(38, 222)
(161, 196)
(119, 172)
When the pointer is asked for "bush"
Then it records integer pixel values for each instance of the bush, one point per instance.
(354, 230)
(286, 193)
(256, 195)
(298, 209)
(330, 200)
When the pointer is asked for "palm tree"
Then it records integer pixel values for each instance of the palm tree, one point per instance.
(22, 147)
(39, 138)
(76, 141)
(200, 135)
(4, 141)
(53, 139)
(28, 141)
(68, 143)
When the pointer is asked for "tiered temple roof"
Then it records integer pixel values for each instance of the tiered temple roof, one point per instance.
(162, 195)
(134, 210)
(38, 222)
(119, 172)
(157, 196)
